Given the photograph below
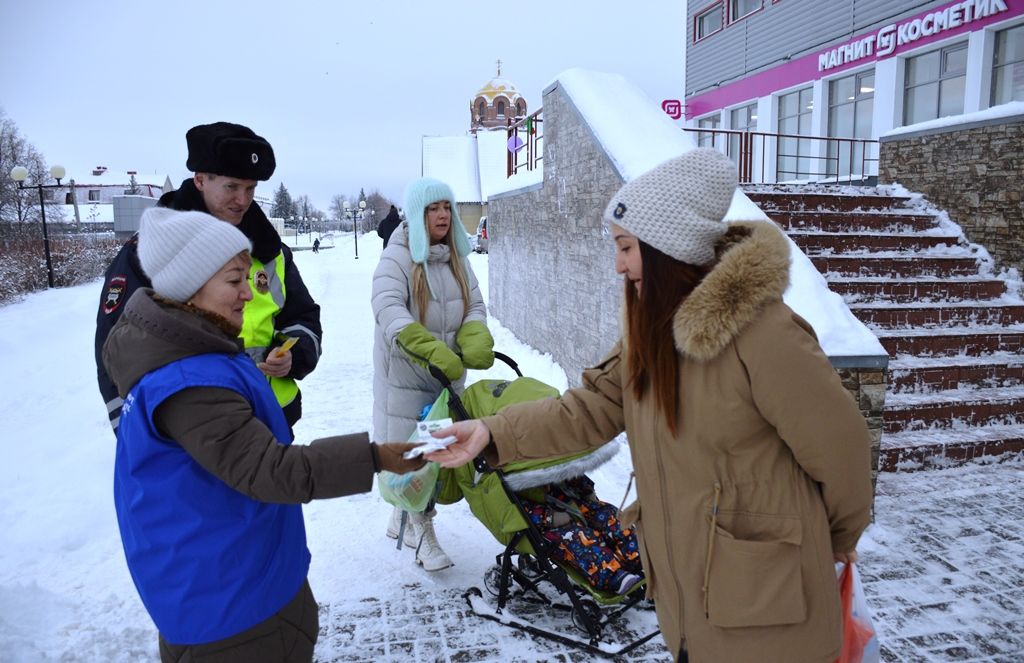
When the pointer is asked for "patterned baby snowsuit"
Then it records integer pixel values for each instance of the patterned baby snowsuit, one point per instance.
(593, 542)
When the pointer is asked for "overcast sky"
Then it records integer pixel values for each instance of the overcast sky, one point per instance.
(343, 91)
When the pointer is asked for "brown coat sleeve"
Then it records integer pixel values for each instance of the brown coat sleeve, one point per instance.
(218, 429)
(799, 393)
(583, 418)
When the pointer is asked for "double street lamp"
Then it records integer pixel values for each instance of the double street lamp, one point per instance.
(19, 174)
(356, 214)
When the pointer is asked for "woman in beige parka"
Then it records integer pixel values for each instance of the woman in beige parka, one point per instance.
(752, 460)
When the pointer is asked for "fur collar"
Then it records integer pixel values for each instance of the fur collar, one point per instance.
(752, 270)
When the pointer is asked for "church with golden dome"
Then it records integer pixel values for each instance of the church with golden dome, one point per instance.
(473, 163)
(496, 105)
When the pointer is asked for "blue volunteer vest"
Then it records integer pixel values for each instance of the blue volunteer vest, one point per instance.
(208, 561)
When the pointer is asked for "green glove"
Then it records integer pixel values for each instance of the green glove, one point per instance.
(421, 347)
(477, 344)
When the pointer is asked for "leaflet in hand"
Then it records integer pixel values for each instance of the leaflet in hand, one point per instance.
(429, 443)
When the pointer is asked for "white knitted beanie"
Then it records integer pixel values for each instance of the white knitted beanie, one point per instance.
(180, 251)
(678, 206)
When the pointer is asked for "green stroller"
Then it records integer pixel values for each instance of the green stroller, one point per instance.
(526, 570)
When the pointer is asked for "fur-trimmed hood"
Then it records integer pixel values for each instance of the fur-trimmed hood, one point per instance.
(752, 270)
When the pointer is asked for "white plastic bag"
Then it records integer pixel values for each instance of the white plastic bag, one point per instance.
(860, 639)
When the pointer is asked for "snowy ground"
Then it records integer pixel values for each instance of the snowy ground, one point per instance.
(943, 561)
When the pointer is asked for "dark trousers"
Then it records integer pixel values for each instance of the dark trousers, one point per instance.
(287, 636)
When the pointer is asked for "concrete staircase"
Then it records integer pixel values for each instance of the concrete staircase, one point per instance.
(954, 330)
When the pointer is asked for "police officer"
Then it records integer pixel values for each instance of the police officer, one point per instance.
(227, 161)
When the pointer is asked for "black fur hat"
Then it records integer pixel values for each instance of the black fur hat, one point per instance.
(223, 148)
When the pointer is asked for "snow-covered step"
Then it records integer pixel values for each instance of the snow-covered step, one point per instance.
(792, 199)
(917, 449)
(840, 242)
(908, 373)
(864, 289)
(956, 408)
(974, 341)
(832, 221)
(888, 315)
(903, 266)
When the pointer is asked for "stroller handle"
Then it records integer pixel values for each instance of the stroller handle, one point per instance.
(439, 375)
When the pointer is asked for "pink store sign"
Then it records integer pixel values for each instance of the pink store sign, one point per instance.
(933, 25)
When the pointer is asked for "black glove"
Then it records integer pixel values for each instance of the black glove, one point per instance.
(388, 457)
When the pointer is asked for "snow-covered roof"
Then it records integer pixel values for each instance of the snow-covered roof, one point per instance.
(118, 178)
(492, 152)
(453, 160)
(498, 86)
(637, 135)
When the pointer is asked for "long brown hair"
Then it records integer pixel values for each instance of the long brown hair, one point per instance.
(650, 351)
(420, 288)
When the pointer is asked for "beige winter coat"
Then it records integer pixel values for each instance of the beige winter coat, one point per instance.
(739, 513)
(400, 387)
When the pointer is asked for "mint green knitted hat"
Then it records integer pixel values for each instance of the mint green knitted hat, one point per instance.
(421, 193)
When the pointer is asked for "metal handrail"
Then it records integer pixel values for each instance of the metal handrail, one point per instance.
(743, 149)
(530, 127)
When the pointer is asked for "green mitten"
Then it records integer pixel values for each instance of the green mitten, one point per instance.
(421, 347)
(477, 344)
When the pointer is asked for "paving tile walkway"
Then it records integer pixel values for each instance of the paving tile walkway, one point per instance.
(943, 567)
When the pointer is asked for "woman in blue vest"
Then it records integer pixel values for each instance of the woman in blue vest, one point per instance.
(207, 485)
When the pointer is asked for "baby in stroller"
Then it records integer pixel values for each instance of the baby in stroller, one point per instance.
(587, 532)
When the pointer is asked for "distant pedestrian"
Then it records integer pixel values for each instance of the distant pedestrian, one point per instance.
(388, 225)
(752, 460)
(316, 245)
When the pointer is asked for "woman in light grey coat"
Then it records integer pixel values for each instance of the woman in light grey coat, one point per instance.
(428, 308)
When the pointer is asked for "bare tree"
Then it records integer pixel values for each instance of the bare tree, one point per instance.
(21, 204)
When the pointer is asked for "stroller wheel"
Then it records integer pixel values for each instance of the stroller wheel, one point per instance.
(587, 614)
(492, 580)
(529, 567)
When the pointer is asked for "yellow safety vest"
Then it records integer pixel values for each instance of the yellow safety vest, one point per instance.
(268, 295)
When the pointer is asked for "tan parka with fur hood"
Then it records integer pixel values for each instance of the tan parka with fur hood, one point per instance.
(739, 513)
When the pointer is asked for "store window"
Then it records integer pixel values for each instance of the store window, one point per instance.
(740, 8)
(707, 22)
(708, 138)
(795, 109)
(851, 103)
(1008, 67)
(935, 84)
(741, 119)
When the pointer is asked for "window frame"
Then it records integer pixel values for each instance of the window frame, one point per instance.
(996, 66)
(734, 3)
(97, 193)
(943, 52)
(720, 5)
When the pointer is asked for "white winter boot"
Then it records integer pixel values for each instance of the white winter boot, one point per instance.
(409, 538)
(429, 553)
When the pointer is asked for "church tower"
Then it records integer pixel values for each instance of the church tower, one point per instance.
(496, 105)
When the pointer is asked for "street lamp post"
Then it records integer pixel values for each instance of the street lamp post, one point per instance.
(355, 215)
(19, 174)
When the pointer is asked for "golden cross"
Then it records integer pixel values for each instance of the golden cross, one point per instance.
(499, 67)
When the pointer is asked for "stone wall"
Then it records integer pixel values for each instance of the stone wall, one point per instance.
(975, 172)
(552, 271)
(867, 385)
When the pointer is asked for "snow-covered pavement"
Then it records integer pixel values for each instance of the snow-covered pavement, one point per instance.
(944, 561)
